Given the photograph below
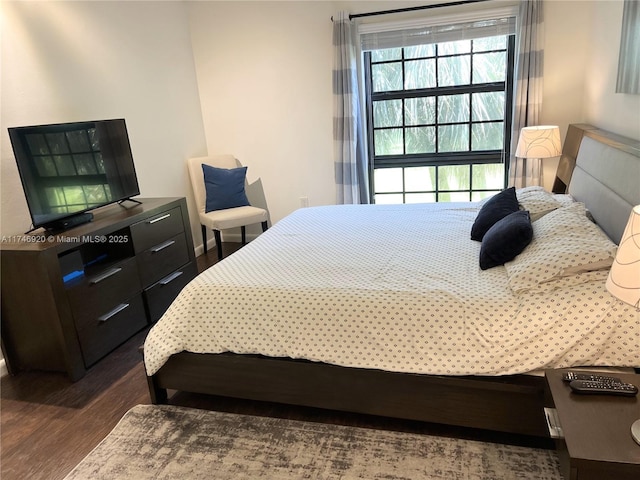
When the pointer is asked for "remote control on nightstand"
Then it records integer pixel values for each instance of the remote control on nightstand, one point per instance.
(604, 388)
(571, 376)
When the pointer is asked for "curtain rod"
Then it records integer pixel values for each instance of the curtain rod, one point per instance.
(411, 9)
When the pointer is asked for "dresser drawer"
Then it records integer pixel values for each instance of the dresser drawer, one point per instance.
(102, 333)
(98, 292)
(159, 296)
(165, 225)
(161, 259)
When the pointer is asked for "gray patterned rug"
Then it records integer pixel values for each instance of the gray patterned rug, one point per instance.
(168, 442)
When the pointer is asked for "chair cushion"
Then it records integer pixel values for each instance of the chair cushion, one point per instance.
(224, 187)
(233, 217)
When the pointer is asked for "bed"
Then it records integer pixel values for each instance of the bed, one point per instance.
(363, 309)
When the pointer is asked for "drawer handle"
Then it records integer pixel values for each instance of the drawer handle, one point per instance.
(167, 215)
(105, 275)
(170, 278)
(113, 312)
(162, 246)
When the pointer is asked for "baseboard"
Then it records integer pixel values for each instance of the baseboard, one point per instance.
(3, 368)
(211, 243)
(211, 246)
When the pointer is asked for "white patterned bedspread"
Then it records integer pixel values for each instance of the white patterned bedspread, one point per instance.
(390, 287)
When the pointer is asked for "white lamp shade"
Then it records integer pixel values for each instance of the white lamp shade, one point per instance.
(624, 277)
(539, 142)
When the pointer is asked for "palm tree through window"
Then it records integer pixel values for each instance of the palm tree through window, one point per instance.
(439, 119)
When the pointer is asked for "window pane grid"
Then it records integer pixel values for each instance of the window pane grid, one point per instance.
(451, 111)
(459, 182)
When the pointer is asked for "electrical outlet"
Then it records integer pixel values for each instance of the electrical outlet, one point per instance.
(304, 201)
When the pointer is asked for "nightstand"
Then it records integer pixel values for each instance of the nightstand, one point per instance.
(594, 435)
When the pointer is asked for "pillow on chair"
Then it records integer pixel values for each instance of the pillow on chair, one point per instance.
(224, 187)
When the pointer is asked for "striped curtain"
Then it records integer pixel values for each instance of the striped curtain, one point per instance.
(352, 179)
(527, 98)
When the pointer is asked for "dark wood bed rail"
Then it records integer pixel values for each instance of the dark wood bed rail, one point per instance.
(512, 404)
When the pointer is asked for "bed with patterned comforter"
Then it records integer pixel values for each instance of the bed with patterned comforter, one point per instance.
(399, 288)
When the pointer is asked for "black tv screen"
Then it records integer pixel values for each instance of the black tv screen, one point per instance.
(67, 169)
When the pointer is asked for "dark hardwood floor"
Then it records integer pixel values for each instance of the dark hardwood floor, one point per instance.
(49, 424)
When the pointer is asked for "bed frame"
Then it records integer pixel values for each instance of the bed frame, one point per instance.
(512, 404)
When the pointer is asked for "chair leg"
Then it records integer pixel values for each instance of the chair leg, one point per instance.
(264, 226)
(204, 237)
(243, 231)
(216, 233)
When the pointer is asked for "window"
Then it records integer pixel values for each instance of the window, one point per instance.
(439, 119)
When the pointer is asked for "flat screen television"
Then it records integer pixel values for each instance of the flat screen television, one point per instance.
(68, 169)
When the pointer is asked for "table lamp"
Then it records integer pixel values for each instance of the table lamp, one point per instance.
(624, 278)
(539, 142)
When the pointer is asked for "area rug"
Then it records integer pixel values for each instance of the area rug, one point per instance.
(167, 442)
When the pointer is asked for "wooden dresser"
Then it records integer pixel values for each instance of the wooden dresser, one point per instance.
(69, 299)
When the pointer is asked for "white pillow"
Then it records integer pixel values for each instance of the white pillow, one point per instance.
(564, 199)
(565, 244)
(537, 201)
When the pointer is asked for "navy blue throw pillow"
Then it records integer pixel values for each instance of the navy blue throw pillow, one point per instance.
(224, 187)
(506, 239)
(496, 208)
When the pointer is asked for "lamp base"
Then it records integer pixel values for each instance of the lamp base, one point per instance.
(635, 431)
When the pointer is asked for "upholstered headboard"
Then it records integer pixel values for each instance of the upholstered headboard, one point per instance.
(602, 170)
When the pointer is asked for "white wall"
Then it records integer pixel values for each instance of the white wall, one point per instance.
(604, 108)
(581, 61)
(565, 57)
(73, 61)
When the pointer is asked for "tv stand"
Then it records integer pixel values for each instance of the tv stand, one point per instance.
(68, 299)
